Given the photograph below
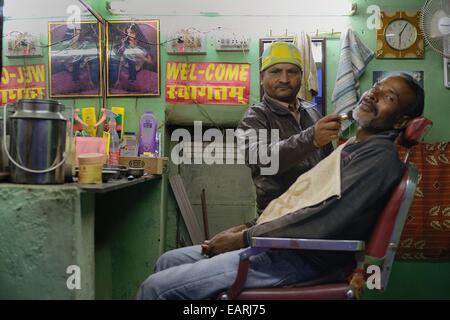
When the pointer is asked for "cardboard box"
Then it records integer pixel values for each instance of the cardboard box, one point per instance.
(129, 145)
(150, 164)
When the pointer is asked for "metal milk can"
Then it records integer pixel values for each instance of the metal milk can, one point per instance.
(37, 142)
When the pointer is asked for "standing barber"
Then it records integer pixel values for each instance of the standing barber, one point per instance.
(304, 136)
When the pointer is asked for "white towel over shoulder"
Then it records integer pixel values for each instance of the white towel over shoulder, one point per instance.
(313, 187)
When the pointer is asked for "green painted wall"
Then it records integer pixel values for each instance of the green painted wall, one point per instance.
(118, 277)
(114, 238)
(416, 280)
(437, 96)
(215, 115)
(410, 280)
(127, 239)
(43, 230)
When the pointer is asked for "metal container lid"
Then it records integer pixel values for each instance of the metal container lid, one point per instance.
(38, 109)
(9, 111)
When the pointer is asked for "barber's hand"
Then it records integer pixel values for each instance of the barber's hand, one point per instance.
(224, 242)
(326, 129)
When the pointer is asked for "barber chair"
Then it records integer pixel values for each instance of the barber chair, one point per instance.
(379, 251)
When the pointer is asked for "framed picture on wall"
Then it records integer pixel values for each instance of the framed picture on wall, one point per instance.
(74, 59)
(318, 49)
(379, 75)
(133, 58)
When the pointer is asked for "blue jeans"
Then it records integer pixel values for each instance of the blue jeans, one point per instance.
(185, 273)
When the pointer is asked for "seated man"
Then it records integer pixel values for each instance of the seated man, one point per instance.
(369, 170)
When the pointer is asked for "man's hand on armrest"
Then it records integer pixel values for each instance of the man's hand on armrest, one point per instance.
(218, 238)
(223, 242)
(237, 228)
(234, 229)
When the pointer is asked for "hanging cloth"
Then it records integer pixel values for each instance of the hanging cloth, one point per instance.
(310, 85)
(355, 56)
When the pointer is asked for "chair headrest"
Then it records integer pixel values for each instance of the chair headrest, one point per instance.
(414, 131)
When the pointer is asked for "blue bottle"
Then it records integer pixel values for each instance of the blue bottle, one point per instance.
(147, 133)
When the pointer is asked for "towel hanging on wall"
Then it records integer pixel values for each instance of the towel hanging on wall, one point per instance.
(310, 85)
(355, 56)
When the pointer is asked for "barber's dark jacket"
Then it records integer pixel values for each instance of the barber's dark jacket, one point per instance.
(370, 170)
(297, 153)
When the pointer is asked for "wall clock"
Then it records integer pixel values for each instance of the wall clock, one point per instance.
(400, 36)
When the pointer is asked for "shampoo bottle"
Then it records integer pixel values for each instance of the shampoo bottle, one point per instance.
(147, 134)
(114, 140)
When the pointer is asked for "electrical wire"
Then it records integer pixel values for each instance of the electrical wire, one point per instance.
(112, 24)
(201, 110)
(85, 31)
(11, 32)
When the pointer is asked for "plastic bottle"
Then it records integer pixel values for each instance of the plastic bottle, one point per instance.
(147, 133)
(114, 143)
(157, 145)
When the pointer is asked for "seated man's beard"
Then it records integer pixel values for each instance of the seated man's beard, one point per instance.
(368, 125)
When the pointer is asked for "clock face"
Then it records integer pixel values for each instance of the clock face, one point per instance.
(400, 34)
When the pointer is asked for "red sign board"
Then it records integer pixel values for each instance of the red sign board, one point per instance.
(207, 83)
(22, 82)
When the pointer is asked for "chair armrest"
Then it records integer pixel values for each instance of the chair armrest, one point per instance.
(308, 244)
(261, 244)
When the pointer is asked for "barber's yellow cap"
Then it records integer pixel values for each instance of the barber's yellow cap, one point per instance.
(281, 52)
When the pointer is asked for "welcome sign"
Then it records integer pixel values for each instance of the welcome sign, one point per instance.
(208, 83)
(22, 82)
